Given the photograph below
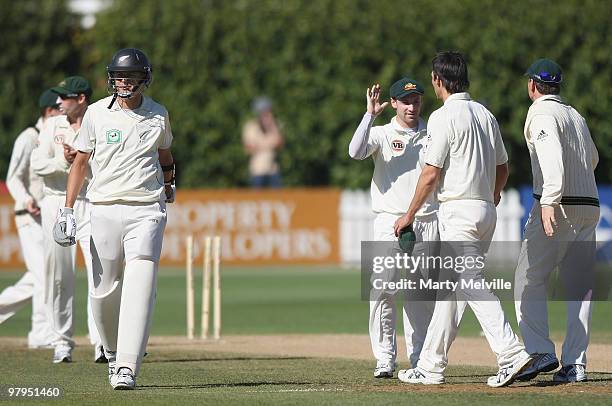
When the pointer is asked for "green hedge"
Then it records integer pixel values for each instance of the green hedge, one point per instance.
(37, 51)
(315, 59)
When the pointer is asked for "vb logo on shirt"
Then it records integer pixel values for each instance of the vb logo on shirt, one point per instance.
(113, 136)
(397, 145)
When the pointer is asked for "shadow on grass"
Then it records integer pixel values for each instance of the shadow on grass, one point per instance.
(222, 385)
(553, 383)
(471, 376)
(228, 359)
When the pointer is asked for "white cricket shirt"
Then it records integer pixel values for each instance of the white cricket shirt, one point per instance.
(124, 143)
(21, 181)
(398, 155)
(47, 159)
(465, 142)
(563, 155)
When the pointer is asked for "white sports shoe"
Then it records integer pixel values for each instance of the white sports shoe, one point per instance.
(111, 356)
(416, 375)
(62, 353)
(99, 356)
(571, 373)
(505, 376)
(384, 370)
(541, 363)
(123, 379)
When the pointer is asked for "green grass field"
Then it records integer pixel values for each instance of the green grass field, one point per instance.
(298, 300)
(262, 301)
(200, 377)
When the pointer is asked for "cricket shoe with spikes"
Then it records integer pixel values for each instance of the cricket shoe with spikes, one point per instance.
(124, 379)
(506, 375)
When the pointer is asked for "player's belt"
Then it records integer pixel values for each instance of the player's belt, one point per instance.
(575, 200)
(21, 212)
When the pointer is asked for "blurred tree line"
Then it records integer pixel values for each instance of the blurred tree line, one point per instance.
(314, 59)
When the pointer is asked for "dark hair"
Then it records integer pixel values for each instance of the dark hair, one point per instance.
(43, 110)
(451, 68)
(547, 88)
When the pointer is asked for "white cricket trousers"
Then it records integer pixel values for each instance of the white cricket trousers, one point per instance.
(60, 266)
(468, 221)
(31, 284)
(123, 298)
(572, 250)
(416, 313)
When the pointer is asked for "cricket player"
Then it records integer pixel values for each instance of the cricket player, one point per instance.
(26, 188)
(560, 231)
(467, 158)
(128, 138)
(398, 151)
(52, 160)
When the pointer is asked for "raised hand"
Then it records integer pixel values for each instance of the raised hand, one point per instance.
(373, 100)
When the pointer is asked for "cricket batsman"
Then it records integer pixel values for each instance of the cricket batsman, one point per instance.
(127, 138)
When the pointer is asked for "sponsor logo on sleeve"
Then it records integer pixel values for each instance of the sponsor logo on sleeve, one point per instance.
(541, 135)
(113, 136)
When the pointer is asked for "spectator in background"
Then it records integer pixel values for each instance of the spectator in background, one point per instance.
(262, 138)
(26, 188)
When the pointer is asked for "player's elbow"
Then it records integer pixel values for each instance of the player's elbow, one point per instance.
(356, 154)
(430, 175)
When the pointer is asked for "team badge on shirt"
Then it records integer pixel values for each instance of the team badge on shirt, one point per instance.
(113, 136)
(58, 139)
(397, 145)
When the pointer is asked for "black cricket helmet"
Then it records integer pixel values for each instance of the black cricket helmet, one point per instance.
(129, 63)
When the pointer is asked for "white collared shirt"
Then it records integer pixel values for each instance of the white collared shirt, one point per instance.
(21, 181)
(465, 142)
(48, 159)
(124, 145)
(398, 155)
(563, 155)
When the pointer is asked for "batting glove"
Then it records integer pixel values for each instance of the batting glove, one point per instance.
(64, 230)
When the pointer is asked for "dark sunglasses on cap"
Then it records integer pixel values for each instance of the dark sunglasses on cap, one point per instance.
(68, 96)
(547, 77)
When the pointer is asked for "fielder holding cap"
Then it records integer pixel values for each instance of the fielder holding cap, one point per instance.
(560, 231)
(467, 158)
(128, 137)
(398, 150)
(26, 188)
(52, 160)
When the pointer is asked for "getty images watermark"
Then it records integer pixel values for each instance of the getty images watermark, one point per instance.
(476, 271)
(383, 266)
